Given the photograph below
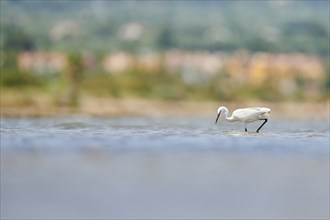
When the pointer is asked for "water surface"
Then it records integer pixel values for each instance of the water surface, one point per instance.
(140, 167)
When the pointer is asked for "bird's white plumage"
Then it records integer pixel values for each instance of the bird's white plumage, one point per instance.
(251, 114)
(246, 115)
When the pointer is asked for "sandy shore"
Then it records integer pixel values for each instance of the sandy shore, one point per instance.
(42, 105)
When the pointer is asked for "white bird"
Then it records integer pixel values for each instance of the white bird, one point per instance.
(246, 115)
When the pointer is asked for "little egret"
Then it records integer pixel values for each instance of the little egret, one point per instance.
(246, 115)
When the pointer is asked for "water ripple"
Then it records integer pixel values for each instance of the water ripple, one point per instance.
(159, 135)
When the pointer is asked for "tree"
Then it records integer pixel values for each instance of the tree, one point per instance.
(165, 39)
(74, 75)
(16, 39)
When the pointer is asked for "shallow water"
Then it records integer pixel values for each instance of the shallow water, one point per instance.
(139, 167)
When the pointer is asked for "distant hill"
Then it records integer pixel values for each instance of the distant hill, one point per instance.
(275, 26)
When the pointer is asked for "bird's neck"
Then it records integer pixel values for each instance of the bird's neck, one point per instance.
(231, 118)
(228, 118)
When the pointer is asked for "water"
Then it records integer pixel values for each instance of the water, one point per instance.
(139, 167)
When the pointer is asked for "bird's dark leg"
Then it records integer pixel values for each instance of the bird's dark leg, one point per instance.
(265, 120)
(245, 127)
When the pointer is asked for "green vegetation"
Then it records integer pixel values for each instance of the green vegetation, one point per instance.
(67, 88)
(101, 27)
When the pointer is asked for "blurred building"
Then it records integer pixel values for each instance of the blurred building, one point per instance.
(63, 29)
(131, 31)
(199, 61)
(118, 62)
(42, 62)
(251, 68)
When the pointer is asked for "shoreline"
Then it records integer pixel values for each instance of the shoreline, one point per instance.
(43, 106)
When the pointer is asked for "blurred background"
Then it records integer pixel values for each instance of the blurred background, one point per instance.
(129, 91)
(61, 54)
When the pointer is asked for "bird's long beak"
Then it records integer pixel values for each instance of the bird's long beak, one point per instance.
(216, 120)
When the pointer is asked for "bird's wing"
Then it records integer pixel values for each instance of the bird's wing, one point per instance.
(247, 114)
